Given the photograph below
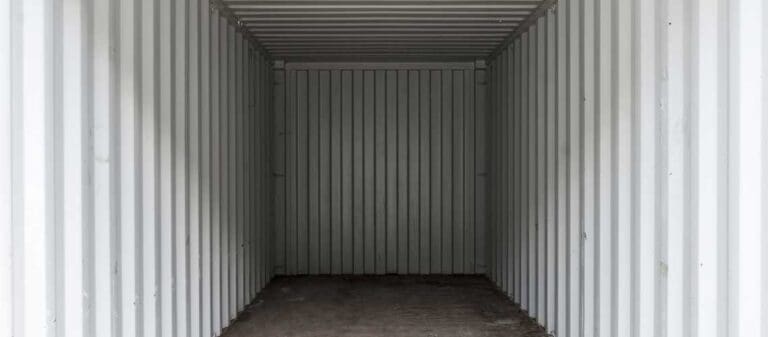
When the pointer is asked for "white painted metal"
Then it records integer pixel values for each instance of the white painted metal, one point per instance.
(653, 155)
(626, 161)
(7, 302)
(105, 178)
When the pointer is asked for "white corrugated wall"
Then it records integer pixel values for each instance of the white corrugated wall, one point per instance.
(135, 182)
(629, 168)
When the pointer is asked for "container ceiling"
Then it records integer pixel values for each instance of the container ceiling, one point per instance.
(381, 28)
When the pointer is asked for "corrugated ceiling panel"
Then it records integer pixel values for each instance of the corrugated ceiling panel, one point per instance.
(392, 28)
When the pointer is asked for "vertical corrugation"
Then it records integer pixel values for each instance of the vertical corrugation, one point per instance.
(129, 143)
(181, 169)
(469, 243)
(246, 264)
(224, 220)
(402, 170)
(391, 163)
(280, 168)
(365, 226)
(407, 214)
(606, 205)
(482, 95)
(503, 180)
(289, 265)
(561, 74)
(623, 153)
(149, 167)
(193, 310)
(215, 165)
(410, 245)
(423, 241)
(492, 95)
(574, 247)
(166, 174)
(7, 297)
(206, 158)
(106, 180)
(435, 192)
(232, 180)
(642, 132)
(550, 189)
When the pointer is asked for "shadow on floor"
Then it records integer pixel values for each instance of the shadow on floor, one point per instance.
(392, 306)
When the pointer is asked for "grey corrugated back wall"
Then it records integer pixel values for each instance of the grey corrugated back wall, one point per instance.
(379, 169)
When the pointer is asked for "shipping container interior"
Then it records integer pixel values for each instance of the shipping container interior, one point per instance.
(384, 168)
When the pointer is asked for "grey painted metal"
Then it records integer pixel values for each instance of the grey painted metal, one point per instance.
(135, 170)
(365, 58)
(377, 168)
(628, 150)
(379, 66)
(391, 26)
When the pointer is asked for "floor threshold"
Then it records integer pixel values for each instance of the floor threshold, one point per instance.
(387, 305)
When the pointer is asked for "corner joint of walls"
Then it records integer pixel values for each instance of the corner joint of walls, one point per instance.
(544, 7)
(234, 20)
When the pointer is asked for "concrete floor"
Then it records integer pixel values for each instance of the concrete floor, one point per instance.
(392, 306)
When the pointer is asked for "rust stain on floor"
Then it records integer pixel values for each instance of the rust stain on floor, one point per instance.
(392, 306)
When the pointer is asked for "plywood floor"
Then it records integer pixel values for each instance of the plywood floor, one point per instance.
(392, 306)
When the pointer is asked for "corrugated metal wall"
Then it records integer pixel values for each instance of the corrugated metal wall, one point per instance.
(378, 168)
(135, 193)
(629, 168)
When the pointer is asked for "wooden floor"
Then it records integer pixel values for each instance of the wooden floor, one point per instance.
(392, 306)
